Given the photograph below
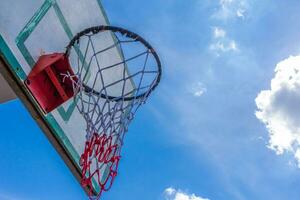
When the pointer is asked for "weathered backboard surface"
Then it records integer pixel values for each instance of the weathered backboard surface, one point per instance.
(28, 28)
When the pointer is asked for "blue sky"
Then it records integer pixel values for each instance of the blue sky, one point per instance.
(199, 136)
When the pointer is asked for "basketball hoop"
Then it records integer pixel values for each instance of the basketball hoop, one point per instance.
(107, 110)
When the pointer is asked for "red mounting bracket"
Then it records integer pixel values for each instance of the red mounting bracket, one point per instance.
(46, 81)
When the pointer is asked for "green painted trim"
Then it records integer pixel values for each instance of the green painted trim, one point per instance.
(114, 38)
(63, 138)
(70, 36)
(28, 29)
(103, 11)
(9, 57)
(66, 113)
(62, 20)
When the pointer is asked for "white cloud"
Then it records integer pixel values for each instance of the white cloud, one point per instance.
(197, 89)
(173, 194)
(229, 9)
(225, 2)
(223, 46)
(279, 108)
(170, 191)
(219, 32)
(240, 13)
(221, 43)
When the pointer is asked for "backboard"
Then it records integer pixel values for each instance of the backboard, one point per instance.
(28, 28)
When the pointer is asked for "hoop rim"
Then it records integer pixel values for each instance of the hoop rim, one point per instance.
(129, 34)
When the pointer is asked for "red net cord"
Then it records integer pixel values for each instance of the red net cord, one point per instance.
(99, 163)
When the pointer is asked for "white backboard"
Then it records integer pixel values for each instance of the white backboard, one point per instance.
(28, 28)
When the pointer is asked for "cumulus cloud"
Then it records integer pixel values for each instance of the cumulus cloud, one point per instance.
(279, 108)
(173, 194)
